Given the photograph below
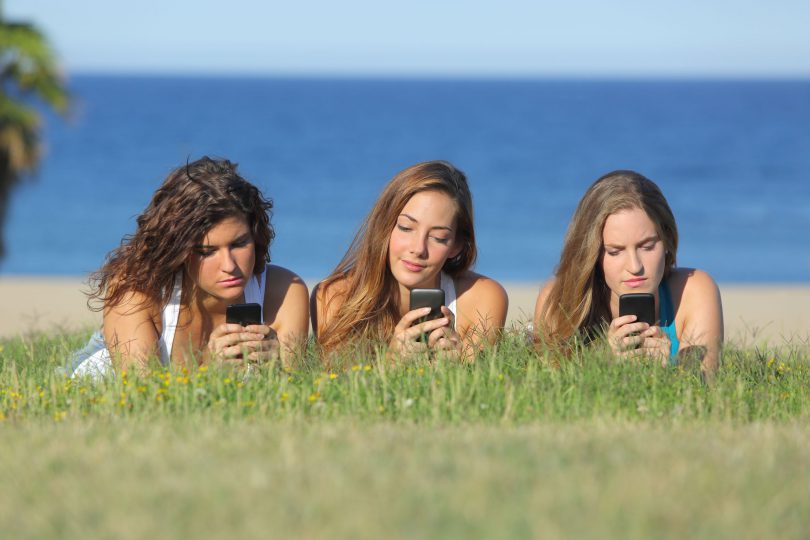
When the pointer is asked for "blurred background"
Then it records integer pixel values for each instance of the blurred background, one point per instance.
(321, 103)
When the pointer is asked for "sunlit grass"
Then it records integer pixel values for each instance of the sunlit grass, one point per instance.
(519, 444)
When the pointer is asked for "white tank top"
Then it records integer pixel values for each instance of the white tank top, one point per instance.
(94, 359)
(449, 287)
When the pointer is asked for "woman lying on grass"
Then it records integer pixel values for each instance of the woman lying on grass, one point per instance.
(419, 234)
(623, 239)
(201, 244)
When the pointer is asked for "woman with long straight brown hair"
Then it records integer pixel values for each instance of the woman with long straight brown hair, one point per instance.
(201, 244)
(419, 234)
(623, 239)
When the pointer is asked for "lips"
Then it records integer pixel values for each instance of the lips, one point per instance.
(413, 267)
(635, 283)
(232, 282)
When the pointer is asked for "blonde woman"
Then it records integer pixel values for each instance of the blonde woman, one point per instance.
(419, 234)
(623, 239)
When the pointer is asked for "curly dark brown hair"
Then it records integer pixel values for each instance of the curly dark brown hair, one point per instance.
(194, 198)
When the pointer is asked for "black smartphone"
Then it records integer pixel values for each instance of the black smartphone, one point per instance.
(244, 314)
(432, 298)
(642, 305)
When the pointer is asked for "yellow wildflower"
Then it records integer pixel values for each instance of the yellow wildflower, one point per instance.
(332, 376)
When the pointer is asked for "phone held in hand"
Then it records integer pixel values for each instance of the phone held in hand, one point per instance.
(244, 314)
(642, 305)
(432, 298)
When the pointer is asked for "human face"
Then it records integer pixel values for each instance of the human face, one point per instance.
(221, 264)
(633, 254)
(423, 238)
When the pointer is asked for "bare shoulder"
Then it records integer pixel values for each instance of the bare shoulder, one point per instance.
(323, 292)
(278, 277)
(692, 283)
(133, 304)
(283, 286)
(477, 286)
(545, 290)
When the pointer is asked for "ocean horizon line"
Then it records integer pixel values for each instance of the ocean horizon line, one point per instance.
(438, 77)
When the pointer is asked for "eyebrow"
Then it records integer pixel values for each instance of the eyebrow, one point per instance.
(417, 221)
(245, 236)
(643, 241)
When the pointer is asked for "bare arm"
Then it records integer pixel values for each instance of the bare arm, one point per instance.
(130, 332)
(286, 309)
(542, 297)
(324, 304)
(482, 313)
(702, 321)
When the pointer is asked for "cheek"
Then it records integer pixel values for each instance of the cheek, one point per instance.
(611, 268)
(394, 243)
(656, 261)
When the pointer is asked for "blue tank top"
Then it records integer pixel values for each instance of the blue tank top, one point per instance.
(666, 315)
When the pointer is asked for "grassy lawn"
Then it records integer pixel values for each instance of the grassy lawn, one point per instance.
(512, 446)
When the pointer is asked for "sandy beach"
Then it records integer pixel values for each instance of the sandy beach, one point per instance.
(753, 312)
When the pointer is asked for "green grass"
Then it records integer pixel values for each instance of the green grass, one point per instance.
(519, 444)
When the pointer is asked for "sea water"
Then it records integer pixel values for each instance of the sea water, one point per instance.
(732, 157)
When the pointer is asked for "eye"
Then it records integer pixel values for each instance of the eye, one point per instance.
(613, 252)
(403, 228)
(443, 241)
(204, 252)
(649, 246)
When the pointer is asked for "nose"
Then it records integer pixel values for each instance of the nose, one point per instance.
(634, 264)
(419, 246)
(227, 262)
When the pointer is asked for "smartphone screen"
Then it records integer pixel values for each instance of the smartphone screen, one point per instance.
(244, 314)
(432, 298)
(642, 305)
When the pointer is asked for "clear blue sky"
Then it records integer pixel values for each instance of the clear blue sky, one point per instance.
(717, 38)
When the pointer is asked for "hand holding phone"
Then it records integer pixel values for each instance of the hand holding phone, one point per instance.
(254, 343)
(625, 336)
(432, 298)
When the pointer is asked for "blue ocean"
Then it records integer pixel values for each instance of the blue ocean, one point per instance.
(732, 157)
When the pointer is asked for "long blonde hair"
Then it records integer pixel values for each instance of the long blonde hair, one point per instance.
(368, 292)
(579, 300)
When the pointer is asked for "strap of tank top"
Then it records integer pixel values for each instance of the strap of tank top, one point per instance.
(666, 314)
(169, 317)
(449, 288)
